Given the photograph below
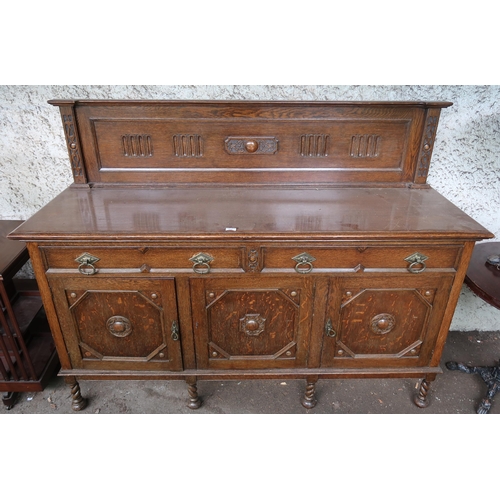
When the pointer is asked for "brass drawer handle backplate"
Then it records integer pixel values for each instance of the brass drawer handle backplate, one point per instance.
(416, 259)
(304, 259)
(201, 263)
(87, 262)
(251, 145)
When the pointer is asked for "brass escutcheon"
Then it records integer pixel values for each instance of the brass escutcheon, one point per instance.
(175, 330)
(329, 331)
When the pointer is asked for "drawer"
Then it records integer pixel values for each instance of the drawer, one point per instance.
(144, 259)
(343, 258)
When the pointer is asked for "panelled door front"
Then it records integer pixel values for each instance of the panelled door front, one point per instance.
(383, 321)
(119, 323)
(255, 323)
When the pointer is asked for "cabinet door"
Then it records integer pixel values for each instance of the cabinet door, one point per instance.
(255, 323)
(119, 323)
(383, 321)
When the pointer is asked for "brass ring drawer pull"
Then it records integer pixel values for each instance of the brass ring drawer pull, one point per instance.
(201, 263)
(87, 269)
(304, 259)
(416, 259)
(87, 262)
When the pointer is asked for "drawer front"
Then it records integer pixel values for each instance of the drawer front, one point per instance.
(142, 259)
(350, 259)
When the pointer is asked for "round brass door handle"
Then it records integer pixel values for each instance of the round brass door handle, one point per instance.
(382, 323)
(251, 146)
(119, 326)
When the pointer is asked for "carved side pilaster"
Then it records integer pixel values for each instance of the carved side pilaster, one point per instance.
(427, 145)
(73, 144)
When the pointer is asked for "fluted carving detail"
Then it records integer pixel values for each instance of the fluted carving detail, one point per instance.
(136, 145)
(365, 146)
(314, 145)
(188, 145)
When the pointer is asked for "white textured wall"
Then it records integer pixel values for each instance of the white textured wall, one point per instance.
(34, 166)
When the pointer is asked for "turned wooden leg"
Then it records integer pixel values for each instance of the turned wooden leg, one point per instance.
(8, 399)
(78, 403)
(194, 399)
(309, 401)
(420, 399)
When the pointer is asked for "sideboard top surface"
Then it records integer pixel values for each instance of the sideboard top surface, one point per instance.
(239, 213)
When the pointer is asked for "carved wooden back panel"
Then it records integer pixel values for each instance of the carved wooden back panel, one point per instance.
(293, 143)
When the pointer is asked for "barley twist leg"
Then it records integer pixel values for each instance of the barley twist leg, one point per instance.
(78, 402)
(309, 401)
(194, 399)
(420, 399)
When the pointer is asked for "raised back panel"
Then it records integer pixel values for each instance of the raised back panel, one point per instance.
(301, 143)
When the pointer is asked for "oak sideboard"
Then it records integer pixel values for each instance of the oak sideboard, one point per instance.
(211, 240)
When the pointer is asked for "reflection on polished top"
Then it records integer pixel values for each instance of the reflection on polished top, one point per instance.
(210, 213)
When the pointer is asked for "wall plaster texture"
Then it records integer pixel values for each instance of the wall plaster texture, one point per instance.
(34, 165)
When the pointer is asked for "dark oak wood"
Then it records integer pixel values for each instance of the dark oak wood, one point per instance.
(170, 214)
(27, 353)
(207, 240)
(13, 255)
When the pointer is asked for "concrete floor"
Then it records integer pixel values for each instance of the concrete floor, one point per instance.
(452, 392)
